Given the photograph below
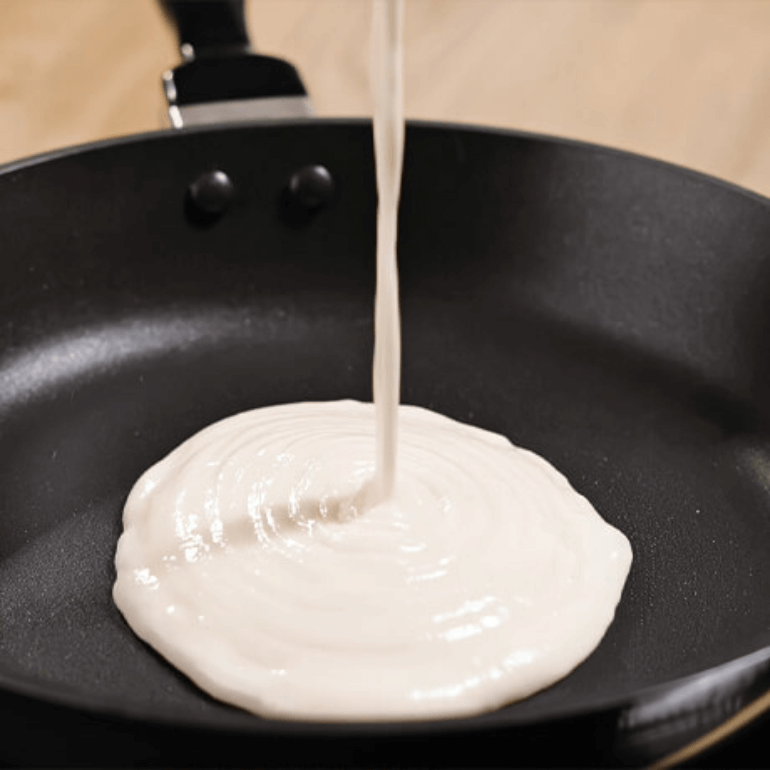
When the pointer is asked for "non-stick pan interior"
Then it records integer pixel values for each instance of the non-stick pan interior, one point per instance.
(681, 477)
(127, 328)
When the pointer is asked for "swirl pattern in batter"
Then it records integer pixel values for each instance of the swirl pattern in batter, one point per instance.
(254, 560)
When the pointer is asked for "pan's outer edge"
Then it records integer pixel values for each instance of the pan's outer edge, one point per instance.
(169, 134)
(745, 717)
(673, 723)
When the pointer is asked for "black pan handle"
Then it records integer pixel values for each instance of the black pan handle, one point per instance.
(209, 28)
(221, 79)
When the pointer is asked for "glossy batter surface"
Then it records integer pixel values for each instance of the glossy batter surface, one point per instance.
(252, 561)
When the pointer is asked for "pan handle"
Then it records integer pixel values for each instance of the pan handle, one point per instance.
(221, 79)
(209, 27)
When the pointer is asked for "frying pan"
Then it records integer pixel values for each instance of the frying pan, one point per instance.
(607, 311)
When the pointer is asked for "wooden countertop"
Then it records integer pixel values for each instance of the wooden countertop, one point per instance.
(683, 80)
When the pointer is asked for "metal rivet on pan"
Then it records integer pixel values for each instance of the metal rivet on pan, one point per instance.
(311, 187)
(211, 193)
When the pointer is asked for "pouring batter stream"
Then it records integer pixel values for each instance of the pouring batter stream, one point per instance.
(388, 97)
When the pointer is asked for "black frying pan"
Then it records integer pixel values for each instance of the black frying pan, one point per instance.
(609, 312)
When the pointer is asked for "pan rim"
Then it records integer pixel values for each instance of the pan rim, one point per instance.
(421, 125)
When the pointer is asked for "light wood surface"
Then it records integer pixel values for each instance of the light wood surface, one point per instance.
(683, 80)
